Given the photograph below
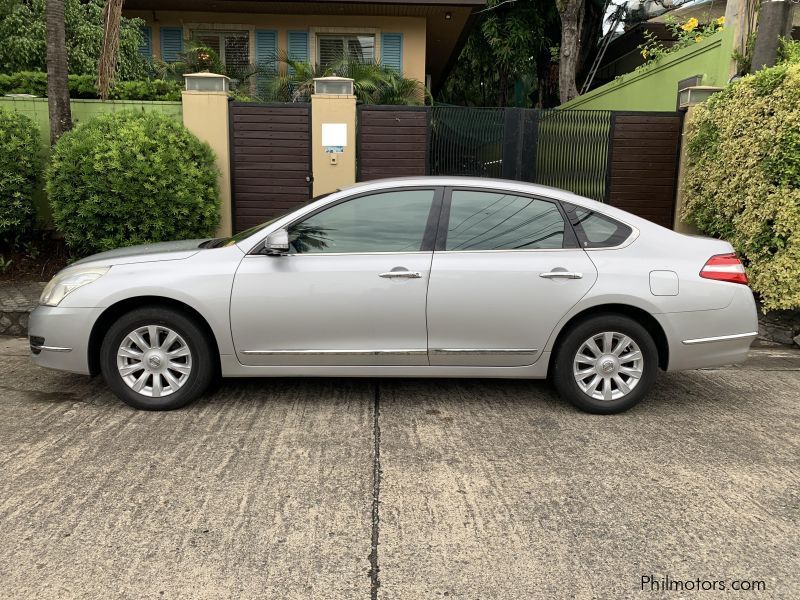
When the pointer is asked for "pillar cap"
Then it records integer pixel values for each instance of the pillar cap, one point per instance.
(695, 94)
(333, 86)
(206, 82)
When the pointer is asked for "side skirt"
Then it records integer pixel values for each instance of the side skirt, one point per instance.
(231, 367)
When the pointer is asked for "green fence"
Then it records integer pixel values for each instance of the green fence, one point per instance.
(82, 110)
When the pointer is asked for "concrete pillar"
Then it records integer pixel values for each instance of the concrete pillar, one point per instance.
(774, 21)
(740, 16)
(205, 114)
(679, 224)
(333, 120)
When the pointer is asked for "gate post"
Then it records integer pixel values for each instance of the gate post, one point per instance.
(333, 133)
(205, 114)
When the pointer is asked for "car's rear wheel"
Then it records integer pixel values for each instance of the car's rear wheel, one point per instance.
(156, 358)
(605, 364)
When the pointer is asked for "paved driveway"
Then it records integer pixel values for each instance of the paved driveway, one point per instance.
(398, 489)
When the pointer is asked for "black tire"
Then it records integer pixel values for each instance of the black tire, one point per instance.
(564, 379)
(203, 364)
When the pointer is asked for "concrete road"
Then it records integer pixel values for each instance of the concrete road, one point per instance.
(399, 489)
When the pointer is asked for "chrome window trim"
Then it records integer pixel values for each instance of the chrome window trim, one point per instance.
(720, 338)
(509, 250)
(346, 254)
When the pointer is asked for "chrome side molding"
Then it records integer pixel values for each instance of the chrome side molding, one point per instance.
(403, 352)
(481, 351)
(411, 352)
(721, 338)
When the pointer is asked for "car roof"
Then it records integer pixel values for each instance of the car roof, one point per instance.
(452, 180)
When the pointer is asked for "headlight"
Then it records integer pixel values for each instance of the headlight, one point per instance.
(65, 283)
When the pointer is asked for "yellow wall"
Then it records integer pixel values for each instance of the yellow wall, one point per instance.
(205, 114)
(330, 176)
(412, 28)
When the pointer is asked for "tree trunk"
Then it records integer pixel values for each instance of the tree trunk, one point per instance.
(57, 87)
(109, 51)
(571, 13)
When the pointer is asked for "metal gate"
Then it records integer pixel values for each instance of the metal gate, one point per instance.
(627, 159)
(271, 160)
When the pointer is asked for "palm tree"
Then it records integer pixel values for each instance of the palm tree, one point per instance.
(372, 82)
(57, 85)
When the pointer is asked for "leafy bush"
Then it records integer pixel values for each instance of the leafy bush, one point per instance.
(130, 178)
(23, 45)
(743, 177)
(83, 86)
(19, 164)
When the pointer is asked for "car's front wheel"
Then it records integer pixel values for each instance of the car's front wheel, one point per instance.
(606, 364)
(156, 358)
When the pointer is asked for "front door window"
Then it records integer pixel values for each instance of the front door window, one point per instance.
(385, 222)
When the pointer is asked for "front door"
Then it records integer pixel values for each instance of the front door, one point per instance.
(351, 290)
(505, 271)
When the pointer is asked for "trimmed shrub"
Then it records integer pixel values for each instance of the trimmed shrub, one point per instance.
(130, 178)
(743, 177)
(83, 86)
(19, 165)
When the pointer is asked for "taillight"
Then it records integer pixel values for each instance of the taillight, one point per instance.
(724, 267)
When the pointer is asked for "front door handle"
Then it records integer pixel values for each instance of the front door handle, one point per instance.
(561, 275)
(401, 275)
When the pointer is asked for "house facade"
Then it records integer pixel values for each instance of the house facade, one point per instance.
(420, 39)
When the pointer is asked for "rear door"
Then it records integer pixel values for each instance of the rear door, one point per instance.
(505, 270)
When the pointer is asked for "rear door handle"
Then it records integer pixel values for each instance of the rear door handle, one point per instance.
(401, 275)
(561, 275)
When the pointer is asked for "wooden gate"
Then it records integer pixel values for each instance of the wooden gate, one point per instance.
(270, 159)
(392, 141)
(643, 164)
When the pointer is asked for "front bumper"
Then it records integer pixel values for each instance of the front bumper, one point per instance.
(60, 337)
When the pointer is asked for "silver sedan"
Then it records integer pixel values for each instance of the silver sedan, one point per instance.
(418, 277)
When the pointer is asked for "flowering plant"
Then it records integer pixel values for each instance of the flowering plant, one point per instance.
(687, 33)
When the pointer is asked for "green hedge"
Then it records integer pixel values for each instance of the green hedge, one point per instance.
(743, 177)
(83, 86)
(19, 166)
(130, 178)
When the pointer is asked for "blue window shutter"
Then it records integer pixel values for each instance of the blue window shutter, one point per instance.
(146, 47)
(171, 43)
(392, 51)
(298, 46)
(266, 48)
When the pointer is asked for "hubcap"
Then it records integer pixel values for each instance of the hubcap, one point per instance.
(608, 366)
(154, 361)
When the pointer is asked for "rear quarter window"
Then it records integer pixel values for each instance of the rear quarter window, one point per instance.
(594, 230)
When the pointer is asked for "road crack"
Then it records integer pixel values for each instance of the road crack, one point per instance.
(374, 568)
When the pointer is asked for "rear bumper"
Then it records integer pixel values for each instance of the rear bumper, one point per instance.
(711, 338)
(60, 337)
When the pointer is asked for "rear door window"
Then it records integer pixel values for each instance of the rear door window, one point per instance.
(595, 230)
(493, 220)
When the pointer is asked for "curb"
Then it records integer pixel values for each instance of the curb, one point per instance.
(14, 322)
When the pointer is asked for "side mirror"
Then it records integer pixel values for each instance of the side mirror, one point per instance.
(277, 242)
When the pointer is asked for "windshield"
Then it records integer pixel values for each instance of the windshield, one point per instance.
(243, 235)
